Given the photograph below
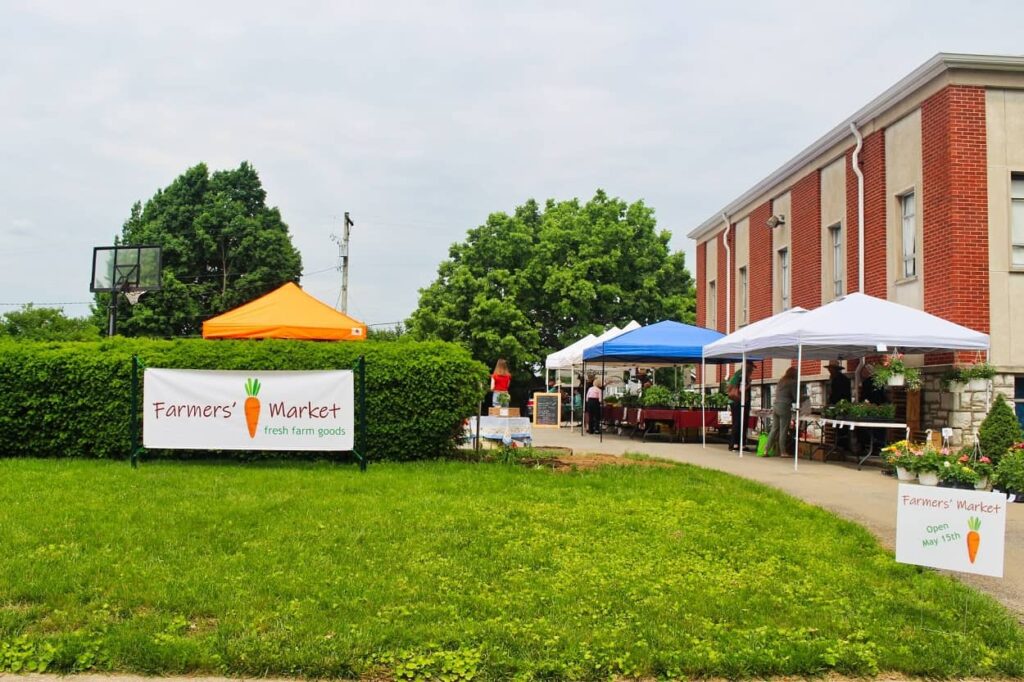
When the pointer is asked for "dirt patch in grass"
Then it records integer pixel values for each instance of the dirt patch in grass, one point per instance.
(586, 461)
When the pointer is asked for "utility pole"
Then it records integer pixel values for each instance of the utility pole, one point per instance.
(343, 254)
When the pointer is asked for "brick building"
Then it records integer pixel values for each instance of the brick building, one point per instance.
(941, 201)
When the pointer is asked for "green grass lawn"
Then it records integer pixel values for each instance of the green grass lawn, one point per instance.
(470, 570)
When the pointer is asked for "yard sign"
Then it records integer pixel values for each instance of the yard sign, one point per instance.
(959, 530)
(192, 409)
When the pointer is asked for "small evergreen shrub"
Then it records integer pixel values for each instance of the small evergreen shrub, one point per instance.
(73, 399)
(999, 430)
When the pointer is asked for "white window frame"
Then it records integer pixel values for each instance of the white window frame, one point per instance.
(1017, 220)
(908, 228)
(744, 298)
(712, 305)
(836, 233)
(784, 277)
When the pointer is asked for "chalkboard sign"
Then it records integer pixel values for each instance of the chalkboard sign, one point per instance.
(546, 409)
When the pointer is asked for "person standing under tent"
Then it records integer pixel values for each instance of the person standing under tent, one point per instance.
(838, 383)
(501, 379)
(839, 388)
(733, 389)
(594, 407)
(782, 413)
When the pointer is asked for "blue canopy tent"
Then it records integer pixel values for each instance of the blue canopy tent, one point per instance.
(662, 343)
(666, 343)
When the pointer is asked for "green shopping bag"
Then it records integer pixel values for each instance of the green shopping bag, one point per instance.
(762, 444)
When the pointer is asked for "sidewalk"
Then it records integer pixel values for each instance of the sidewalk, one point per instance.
(865, 497)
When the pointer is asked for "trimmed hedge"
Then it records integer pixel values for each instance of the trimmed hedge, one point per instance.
(73, 399)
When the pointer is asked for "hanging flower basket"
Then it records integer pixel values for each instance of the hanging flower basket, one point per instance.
(928, 478)
(897, 380)
(977, 385)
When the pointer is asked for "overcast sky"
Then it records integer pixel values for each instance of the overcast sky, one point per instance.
(421, 118)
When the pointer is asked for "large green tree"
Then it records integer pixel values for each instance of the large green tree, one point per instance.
(222, 246)
(524, 285)
(46, 324)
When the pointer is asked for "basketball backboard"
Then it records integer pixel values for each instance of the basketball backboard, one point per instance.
(125, 268)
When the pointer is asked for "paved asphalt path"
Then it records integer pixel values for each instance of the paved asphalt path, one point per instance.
(866, 497)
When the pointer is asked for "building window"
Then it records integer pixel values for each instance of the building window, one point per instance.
(1018, 399)
(836, 231)
(743, 295)
(908, 219)
(784, 277)
(1017, 217)
(712, 305)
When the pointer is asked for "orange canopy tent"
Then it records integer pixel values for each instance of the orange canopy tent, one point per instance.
(285, 313)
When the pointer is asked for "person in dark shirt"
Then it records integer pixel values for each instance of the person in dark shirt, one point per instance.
(838, 384)
(736, 435)
(839, 388)
(868, 390)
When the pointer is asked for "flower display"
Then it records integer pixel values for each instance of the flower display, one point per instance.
(893, 365)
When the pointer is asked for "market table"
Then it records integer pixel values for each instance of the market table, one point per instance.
(854, 424)
(494, 428)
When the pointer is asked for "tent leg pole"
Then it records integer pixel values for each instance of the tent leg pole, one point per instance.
(743, 404)
(796, 421)
(600, 426)
(703, 416)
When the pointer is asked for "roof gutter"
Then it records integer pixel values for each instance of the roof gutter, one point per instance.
(728, 271)
(855, 162)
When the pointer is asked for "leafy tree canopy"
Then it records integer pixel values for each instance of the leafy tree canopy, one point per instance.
(222, 246)
(524, 285)
(46, 324)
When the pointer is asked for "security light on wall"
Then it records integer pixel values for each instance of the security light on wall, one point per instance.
(776, 220)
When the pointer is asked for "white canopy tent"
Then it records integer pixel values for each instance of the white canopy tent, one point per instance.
(563, 359)
(742, 337)
(850, 326)
(570, 358)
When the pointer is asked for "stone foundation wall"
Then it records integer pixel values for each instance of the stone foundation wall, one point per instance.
(963, 412)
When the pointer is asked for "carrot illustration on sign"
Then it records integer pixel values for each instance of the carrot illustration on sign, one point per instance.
(973, 537)
(252, 405)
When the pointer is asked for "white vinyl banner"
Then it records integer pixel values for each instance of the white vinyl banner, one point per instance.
(192, 409)
(959, 530)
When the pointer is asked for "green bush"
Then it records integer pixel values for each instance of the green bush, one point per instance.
(72, 399)
(1010, 471)
(999, 430)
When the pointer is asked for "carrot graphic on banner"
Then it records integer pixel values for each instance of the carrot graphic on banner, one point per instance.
(252, 405)
(973, 537)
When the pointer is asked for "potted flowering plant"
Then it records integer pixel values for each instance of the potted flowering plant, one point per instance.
(927, 464)
(974, 377)
(983, 467)
(893, 372)
(958, 474)
(978, 376)
(901, 456)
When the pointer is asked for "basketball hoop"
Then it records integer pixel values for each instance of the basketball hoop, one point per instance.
(133, 296)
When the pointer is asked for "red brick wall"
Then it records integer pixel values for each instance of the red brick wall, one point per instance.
(760, 269)
(955, 208)
(872, 164)
(702, 285)
(805, 245)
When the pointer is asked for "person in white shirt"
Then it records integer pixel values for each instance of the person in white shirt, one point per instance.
(594, 407)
